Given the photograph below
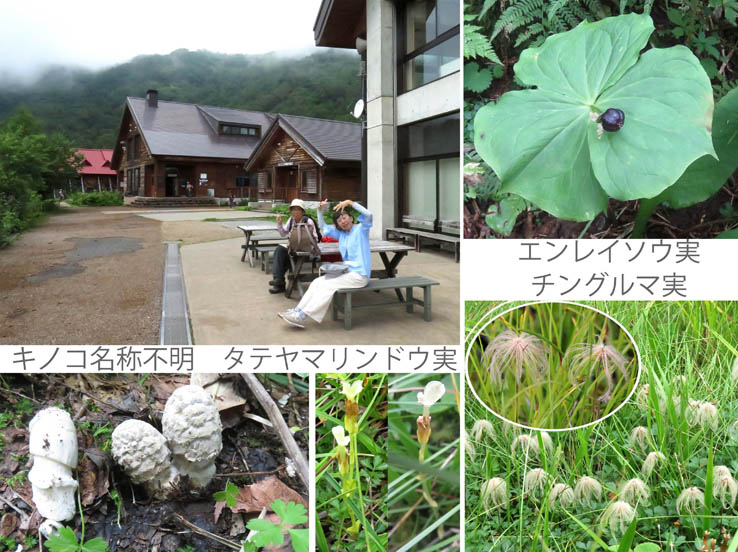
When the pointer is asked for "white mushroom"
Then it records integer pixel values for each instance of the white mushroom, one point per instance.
(191, 425)
(143, 453)
(53, 446)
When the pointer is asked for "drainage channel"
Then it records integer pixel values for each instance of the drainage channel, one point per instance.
(175, 324)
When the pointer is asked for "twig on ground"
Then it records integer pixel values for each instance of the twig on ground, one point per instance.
(280, 426)
(217, 538)
(404, 518)
(3, 390)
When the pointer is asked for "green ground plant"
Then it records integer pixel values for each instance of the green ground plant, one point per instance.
(351, 462)
(95, 199)
(654, 477)
(424, 462)
(552, 365)
(499, 69)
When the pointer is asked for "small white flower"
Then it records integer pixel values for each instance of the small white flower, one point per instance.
(432, 393)
(587, 490)
(618, 515)
(483, 428)
(494, 491)
(563, 493)
(635, 491)
(650, 463)
(340, 436)
(534, 483)
(352, 390)
(639, 438)
(690, 500)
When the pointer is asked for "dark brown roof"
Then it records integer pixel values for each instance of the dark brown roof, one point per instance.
(323, 139)
(339, 22)
(190, 130)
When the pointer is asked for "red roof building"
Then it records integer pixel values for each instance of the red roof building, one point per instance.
(95, 173)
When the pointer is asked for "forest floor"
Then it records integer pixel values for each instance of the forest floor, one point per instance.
(253, 458)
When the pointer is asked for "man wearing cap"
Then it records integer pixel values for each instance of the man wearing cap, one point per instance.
(281, 255)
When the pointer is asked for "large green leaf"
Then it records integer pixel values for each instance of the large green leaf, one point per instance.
(544, 143)
(706, 176)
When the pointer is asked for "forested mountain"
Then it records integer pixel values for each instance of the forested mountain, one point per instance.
(87, 106)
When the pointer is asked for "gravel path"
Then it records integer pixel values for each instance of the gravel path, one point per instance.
(83, 277)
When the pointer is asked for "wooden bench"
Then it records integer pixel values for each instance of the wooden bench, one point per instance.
(419, 235)
(266, 253)
(346, 306)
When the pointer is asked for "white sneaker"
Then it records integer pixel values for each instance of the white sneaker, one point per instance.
(292, 318)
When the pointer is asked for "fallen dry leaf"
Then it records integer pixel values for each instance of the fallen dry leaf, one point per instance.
(8, 524)
(93, 480)
(252, 498)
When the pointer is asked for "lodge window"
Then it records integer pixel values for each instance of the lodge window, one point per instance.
(431, 41)
(310, 181)
(264, 179)
(137, 177)
(238, 130)
(428, 152)
(242, 181)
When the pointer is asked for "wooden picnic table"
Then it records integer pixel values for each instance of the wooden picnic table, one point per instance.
(263, 234)
(383, 247)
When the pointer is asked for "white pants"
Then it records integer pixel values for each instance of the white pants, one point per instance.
(318, 296)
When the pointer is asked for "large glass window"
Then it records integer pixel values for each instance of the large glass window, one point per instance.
(430, 168)
(431, 41)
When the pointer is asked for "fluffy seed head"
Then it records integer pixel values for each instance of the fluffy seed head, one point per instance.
(703, 414)
(724, 486)
(587, 490)
(618, 515)
(650, 463)
(635, 491)
(690, 500)
(639, 438)
(527, 444)
(483, 428)
(584, 360)
(642, 397)
(734, 373)
(519, 352)
(534, 483)
(469, 448)
(495, 491)
(733, 431)
(563, 493)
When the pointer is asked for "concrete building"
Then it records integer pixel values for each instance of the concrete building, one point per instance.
(413, 99)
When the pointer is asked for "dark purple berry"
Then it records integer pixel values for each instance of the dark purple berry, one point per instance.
(612, 120)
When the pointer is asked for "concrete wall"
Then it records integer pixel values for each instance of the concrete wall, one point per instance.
(380, 69)
(433, 99)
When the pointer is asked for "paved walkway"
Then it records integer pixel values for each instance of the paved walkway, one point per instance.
(229, 304)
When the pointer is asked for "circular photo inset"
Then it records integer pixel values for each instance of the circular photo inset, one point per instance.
(552, 365)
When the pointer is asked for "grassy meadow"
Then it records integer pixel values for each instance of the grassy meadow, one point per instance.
(658, 475)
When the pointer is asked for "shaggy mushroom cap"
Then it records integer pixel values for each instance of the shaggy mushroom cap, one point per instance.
(191, 424)
(143, 453)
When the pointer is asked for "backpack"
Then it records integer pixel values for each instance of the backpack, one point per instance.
(301, 239)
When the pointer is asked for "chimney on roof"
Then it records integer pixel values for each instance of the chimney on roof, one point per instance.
(152, 98)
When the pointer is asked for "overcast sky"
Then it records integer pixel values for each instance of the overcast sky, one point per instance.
(97, 34)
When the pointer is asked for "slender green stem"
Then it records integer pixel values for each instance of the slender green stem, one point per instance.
(645, 210)
(357, 478)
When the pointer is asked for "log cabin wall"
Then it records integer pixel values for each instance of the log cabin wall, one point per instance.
(342, 180)
(135, 159)
(335, 180)
(169, 177)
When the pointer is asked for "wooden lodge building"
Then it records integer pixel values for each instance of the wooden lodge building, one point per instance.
(169, 149)
(95, 174)
(309, 159)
